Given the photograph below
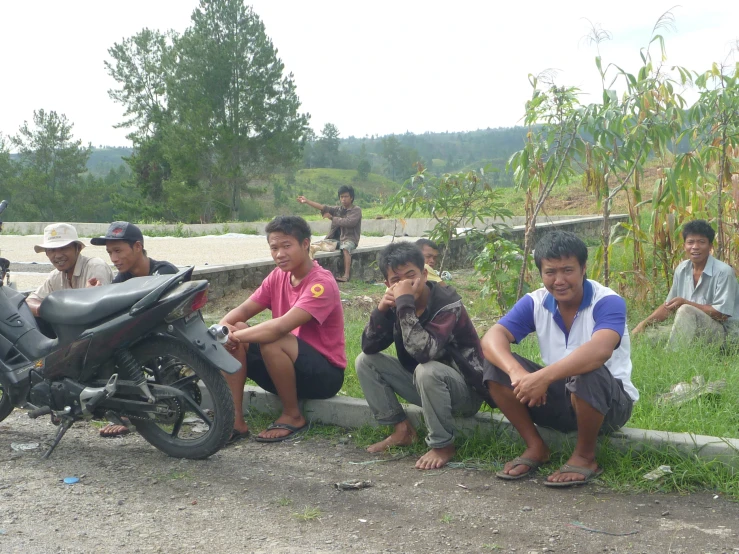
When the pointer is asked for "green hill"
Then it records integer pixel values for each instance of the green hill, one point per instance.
(319, 185)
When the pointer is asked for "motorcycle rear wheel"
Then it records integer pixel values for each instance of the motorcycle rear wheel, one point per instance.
(186, 431)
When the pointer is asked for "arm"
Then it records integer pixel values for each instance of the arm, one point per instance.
(274, 329)
(33, 304)
(660, 314)
(352, 219)
(304, 200)
(675, 303)
(424, 342)
(35, 298)
(378, 333)
(242, 313)
(531, 388)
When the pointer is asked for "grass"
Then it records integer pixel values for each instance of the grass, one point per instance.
(309, 513)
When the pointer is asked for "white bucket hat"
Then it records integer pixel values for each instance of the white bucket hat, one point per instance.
(58, 235)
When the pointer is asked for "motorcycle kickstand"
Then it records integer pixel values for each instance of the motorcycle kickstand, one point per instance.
(66, 423)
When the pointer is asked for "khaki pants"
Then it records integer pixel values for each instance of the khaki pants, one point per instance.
(690, 324)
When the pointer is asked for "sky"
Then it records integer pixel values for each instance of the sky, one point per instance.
(370, 68)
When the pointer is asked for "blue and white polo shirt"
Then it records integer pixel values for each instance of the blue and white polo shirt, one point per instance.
(601, 308)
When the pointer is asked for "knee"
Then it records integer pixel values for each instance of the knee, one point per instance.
(685, 310)
(361, 363)
(425, 374)
(270, 348)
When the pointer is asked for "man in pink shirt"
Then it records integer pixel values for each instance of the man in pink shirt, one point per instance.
(300, 352)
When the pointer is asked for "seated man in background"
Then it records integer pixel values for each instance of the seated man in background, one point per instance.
(439, 365)
(125, 245)
(704, 296)
(71, 270)
(430, 252)
(299, 353)
(585, 383)
(346, 225)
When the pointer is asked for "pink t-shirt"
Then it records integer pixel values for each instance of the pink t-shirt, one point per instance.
(318, 295)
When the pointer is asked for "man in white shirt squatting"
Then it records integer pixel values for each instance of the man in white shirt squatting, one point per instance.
(585, 383)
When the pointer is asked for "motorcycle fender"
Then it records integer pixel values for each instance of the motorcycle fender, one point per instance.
(194, 332)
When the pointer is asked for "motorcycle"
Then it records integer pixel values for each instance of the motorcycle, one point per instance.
(138, 349)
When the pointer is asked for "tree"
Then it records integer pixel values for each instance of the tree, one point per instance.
(7, 167)
(328, 145)
(51, 164)
(554, 116)
(234, 109)
(454, 200)
(364, 167)
(211, 110)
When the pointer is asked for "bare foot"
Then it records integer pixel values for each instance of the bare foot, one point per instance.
(575, 460)
(404, 435)
(538, 453)
(277, 433)
(436, 458)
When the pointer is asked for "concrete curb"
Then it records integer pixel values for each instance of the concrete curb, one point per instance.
(350, 413)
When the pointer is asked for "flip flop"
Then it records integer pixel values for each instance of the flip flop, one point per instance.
(588, 475)
(237, 436)
(534, 466)
(293, 431)
(107, 432)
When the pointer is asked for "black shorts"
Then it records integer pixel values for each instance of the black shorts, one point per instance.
(315, 377)
(598, 388)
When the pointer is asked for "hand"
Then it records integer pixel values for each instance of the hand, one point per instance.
(94, 282)
(638, 329)
(388, 300)
(302, 199)
(675, 303)
(407, 286)
(232, 343)
(327, 215)
(530, 388)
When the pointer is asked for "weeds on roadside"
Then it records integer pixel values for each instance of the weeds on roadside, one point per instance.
(309, 513)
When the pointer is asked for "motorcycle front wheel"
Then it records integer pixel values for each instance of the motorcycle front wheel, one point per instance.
(187, 430)
(5, 405)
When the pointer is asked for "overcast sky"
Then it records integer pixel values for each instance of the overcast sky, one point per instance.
(375, 67)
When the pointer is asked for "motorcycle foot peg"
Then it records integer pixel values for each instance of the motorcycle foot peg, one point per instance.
(38, 412)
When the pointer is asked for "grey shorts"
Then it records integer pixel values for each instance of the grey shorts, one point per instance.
(347, 245)
(598, 388)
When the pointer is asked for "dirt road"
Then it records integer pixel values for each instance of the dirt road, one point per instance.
(281, 498)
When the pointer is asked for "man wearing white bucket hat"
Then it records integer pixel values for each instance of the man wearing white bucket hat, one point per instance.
(72, 270)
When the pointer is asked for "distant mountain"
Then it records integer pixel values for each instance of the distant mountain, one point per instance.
(102, 160)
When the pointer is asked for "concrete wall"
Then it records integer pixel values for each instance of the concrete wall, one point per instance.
(394, 227)
(232, 279)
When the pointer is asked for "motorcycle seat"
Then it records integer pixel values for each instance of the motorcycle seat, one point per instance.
(83, 306)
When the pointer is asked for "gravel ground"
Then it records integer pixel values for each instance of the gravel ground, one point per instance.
(246, 498)
(198, 251)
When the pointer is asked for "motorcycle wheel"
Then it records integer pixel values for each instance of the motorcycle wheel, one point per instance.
(6, 407)
(187, 431)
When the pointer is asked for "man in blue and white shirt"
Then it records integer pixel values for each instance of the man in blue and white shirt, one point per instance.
(585, 383)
